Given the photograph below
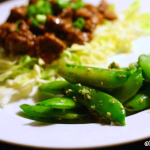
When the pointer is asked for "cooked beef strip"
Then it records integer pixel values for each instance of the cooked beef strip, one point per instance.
(32, 1)
(17, 13)
(54, 24)
(103, 8)
(64, 30)
(40, 30)
(5, 30)
(110, 15)
(20, 42)
(66, 13)
(48, 47)
(82, 12)
(95, 18)
(23, 25)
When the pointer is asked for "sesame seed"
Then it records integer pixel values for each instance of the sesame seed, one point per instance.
(88, 96)
(120, 75)
(121, 107)
(113, 101)
(141, 100)
(92, 107)
(88, 69)
(63, 100)
(80, 91)
(79, 84)
(137, 77)
(102, 83)
(108, 114)
(68, 91)
(124, 76)
(74, 98)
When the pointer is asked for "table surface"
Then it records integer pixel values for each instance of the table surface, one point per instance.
(139, 145)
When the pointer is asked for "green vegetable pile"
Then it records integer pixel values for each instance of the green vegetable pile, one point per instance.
(107, 94)
(37, 12)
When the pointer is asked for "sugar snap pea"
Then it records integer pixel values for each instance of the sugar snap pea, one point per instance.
(38, 111)
(129, 88)
(52, 89)
(99, 103)
(94, 77)
(139, 102)
(59, 103)
(133, 67)
(48, 112)
(144, 63)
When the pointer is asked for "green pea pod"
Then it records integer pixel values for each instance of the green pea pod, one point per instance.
(48, 112)
(140, 102)
(144, 63)
(96, 101)
(46, 95)
(54, 87)
(130, 87)
(133, 67)
(38, 111)
(59, 103)
(99, 103)
(93, 77)
(51, 90)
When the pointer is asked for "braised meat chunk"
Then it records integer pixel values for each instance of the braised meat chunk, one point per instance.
(103, 8)
(22, 25)
(17, 13)
(5, 30)
(66, 13)
(18, 43)
(64, 30)
(91, 15)
(48, 47)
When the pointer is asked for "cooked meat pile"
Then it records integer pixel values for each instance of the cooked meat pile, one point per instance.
(62, 26)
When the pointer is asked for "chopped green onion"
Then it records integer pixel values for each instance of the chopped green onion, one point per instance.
(62, 3)
(41, 18)
(77, 5)
(31, 10)
(40, 7)
(34, 22)
(44, 7)
(17, 25)
(41, 3)
(79, 23)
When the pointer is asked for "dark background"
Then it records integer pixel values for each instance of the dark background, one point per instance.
(138, 144)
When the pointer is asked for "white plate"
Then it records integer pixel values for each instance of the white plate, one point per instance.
(17, 130)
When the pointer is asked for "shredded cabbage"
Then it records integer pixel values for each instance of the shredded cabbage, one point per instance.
(113, 37)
